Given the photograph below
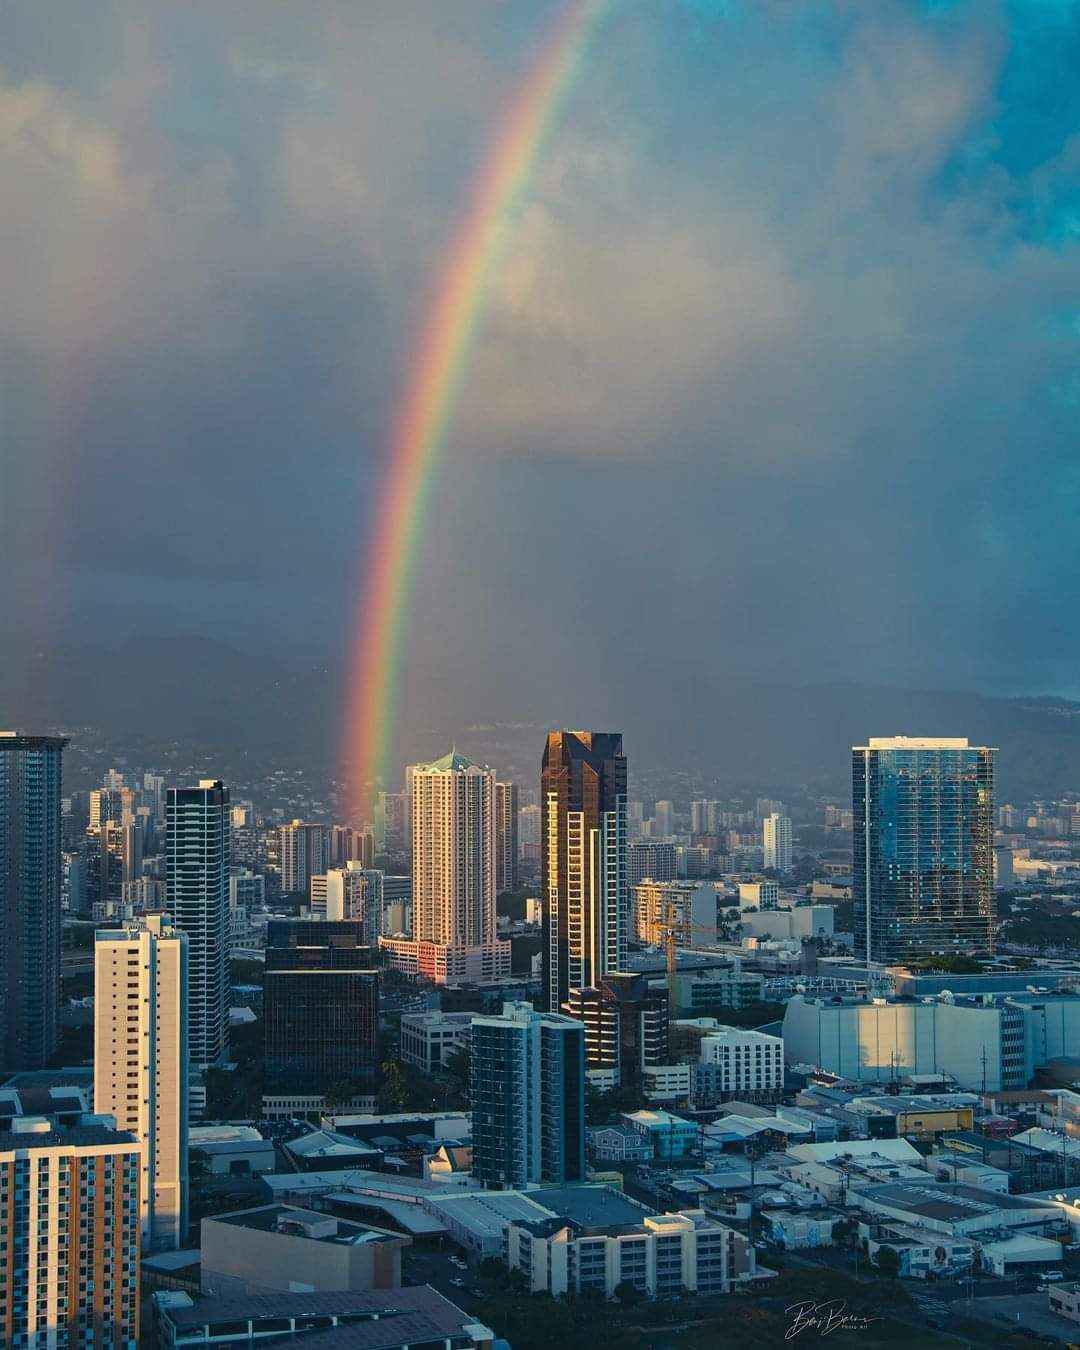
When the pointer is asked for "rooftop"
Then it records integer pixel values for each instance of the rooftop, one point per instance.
(75, 1136)
(329, 1144)
(292, 1219)
(386, 1318)
(947, 1202)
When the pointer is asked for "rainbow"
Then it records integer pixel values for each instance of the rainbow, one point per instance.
(441, 356)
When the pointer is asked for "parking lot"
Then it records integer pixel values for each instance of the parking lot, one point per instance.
(1023, 1310)
(424, 1265)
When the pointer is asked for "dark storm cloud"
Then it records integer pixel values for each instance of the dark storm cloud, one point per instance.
(779, 373)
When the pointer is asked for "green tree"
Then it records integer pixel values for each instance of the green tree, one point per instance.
(339, 1094)
(457, 1067)
(627, 1293)
(888, 1262)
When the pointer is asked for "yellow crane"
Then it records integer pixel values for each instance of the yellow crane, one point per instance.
(671, 928)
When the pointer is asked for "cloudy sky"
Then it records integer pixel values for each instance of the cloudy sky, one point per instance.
(780, 375)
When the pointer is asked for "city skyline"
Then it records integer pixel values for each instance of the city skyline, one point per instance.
(393, 394)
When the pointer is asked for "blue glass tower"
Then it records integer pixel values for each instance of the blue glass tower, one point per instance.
(30, 771)
(923, 848)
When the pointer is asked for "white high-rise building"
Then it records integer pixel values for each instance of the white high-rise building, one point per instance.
(776, 839)
(748, 1061)
(141, 1062)
(356, 892)
(664, 819)
(197, 840)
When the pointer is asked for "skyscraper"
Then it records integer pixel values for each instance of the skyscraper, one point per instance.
(320, 1004)
(527, 1094)
(197, 889)
(304, 852)
(453, 875)
(647, 861)
(776, 842)
(923, 847)
(141, 1062)
(583, 855)
(626, 1026)
(30, 878)
(356, 892)
(506, 837)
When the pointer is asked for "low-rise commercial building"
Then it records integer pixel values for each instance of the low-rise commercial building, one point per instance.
(429, 1039)
(663, 1256)
(232, 1150)
(796, 1229)
(726, 986)
(959, 1211)
(396, 1320)
(670, 1136)
(981, 1041)
(281, 1248)
(1064, 1299)
(485, 964)
(668, 1084)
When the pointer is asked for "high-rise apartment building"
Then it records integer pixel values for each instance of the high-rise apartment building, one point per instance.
(356, 892)
(453, 866)
(648, 861)
(626, 1027)
(197, 889)
(30, 882)
(453, 874)
(506, 837)
(776, 842)
(584, 859)
(320, 1004)
(304, 852)
(351, 845)
(688, 908)
(664, 819)
(527, 1093)
(141, 1062)
(705, 817)
(923, 847)
(69, 1216)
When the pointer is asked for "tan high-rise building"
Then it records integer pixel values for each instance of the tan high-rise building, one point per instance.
(141, 1061)
(453, 876)
(453, 852)
(69, 1215)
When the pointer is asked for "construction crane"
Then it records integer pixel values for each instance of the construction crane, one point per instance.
(671, 928)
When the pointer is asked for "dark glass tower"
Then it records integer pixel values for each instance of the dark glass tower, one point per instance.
(586, 895)
(197, 846)
(30, 772)
(320, 1004)
(923, 848)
